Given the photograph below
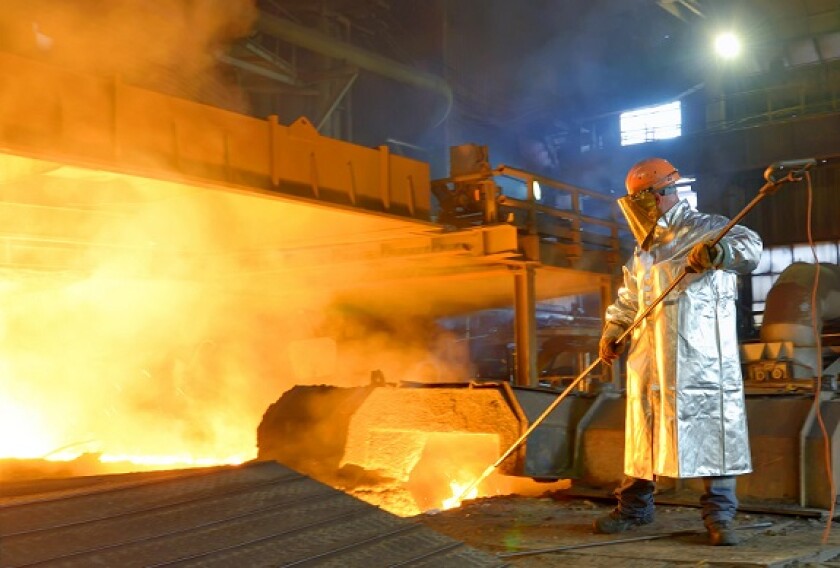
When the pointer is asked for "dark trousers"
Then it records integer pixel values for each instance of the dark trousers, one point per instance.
(718, 502)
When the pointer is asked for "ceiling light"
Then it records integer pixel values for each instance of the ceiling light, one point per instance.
(727, 45)
(537, 190)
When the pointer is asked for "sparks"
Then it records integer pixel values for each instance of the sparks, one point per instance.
(457, 497)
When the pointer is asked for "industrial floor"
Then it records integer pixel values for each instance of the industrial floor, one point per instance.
(507, 525)
(258, 514)
(265, 514)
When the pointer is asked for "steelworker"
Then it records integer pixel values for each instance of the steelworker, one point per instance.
(685, 398)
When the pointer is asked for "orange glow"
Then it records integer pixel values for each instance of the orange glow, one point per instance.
(172, 461)
(457, 498)
(29, 439)
(446, 466)
(128, 334)
(149, 324)
(430, 470)
(121, 368)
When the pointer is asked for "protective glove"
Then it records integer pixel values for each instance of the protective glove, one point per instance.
(608, 349)
(703, 257)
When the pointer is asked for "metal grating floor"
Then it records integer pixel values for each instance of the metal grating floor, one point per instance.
(258, 514)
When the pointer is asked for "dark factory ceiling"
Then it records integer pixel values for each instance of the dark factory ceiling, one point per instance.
(510, 60)
(507, 63)
(513, 75)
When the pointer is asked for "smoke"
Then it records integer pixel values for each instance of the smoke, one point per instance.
(396, 347)
(154, 321)
(166, 45)
(130, 328)
(138, 350)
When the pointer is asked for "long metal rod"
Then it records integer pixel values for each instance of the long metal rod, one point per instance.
(685, 532)
(528, 431)
(765, 190)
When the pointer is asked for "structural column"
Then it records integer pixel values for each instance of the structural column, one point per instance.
(525, 325)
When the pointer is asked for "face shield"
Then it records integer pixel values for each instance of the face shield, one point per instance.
(642, 213)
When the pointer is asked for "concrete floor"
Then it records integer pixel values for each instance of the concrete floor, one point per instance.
(502, 525)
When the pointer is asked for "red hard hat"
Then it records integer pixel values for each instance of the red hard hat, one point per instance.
(651, 174)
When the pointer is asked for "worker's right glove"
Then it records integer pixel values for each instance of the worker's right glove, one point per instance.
(608, 348)
(703, 257)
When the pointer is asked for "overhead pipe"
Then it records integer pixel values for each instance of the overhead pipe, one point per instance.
(259, 70)
(319, 42)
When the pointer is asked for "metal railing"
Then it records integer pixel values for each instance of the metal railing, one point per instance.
(580, 220)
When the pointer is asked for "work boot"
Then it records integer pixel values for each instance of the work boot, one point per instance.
(615, 522)
(722, 533)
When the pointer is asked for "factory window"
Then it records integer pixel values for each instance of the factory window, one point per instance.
(775, 259)
(651, 123)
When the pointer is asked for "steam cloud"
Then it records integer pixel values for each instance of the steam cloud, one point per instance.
(178, 324)
(165, 45)
(149, 318)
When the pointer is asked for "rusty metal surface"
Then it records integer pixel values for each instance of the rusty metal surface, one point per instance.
(261, 513)
(104, 123)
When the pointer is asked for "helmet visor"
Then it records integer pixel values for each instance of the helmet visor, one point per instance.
(642, 213)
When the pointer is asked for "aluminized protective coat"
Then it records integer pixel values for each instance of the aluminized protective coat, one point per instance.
(685, 396)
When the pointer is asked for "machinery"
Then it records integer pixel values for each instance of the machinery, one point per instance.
(788, 350)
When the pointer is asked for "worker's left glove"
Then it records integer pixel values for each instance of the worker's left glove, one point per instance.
(704, 257)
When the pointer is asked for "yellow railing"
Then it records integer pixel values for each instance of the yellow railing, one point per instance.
(577, 219)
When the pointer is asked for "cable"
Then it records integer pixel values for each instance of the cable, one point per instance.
(818, 347)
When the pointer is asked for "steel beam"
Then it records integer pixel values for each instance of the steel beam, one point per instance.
(348, 83)
(318, 42)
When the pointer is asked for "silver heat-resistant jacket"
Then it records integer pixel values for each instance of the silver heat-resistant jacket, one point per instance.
(685, 396)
